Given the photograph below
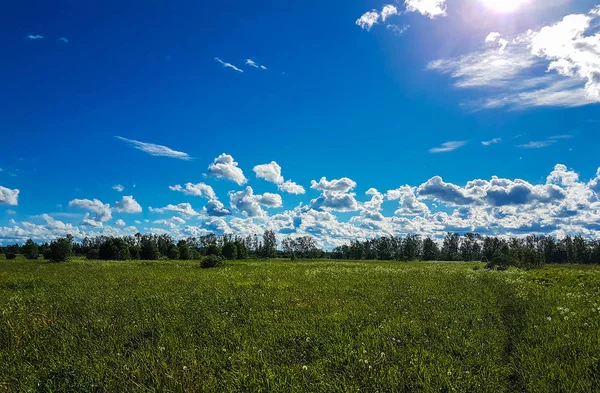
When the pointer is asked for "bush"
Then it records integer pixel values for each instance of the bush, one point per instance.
(60, 250)
(11, 255)
(211, 261)
(293, 257)
(212, 249)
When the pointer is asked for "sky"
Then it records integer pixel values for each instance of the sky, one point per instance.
(339, 121)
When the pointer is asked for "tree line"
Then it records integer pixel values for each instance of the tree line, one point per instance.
(529, 251)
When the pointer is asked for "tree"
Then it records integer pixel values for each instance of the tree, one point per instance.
(269, 248)
(431, 250)
(173, 252)
(450, 247)
(184, 250)
(114, 249)
(148, 248)
(242, 250)
(229, 251)
(30, 250)
(60, 250)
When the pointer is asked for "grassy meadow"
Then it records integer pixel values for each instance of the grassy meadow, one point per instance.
(281, 326)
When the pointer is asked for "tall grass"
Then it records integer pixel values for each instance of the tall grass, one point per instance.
(297, 327)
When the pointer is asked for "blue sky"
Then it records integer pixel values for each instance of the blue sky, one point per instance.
(371, 95)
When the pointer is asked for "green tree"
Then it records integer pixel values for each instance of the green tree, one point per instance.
(60, 250)
(30, 250)
(269, 248)
(173, 252)
(229, 251)
(431, 251)
(184, 250)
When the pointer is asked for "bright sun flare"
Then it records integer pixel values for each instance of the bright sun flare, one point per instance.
(503, 5)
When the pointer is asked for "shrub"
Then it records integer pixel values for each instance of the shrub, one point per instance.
(212, 249)
(293, 257)
(60, 250)
(11, 255)
(211, 261)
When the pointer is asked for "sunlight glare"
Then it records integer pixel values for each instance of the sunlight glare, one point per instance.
(503, 6)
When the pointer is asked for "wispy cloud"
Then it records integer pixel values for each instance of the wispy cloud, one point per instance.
(155, 150)
(368, 19)
(397, 29)
(227, 65)
(508, 67)
(537, 144)
(254, 64)
(545, 143)
(63, 39)
(448, 146)
(34, 37)
(491, 142)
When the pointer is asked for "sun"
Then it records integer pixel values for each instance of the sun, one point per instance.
(504, 6)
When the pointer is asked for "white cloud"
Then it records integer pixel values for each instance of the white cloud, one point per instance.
(120, 223)
(537, 144)
(9, 197)
(127, 205)
(224, 167)
(572, 59)
(491, 142)
(291, 188)
(102, 210)
(155, 150)
(11, 212)
(227, 65)
(215, 208)
(397, 29)
(448, 146)
(387, 11)
(409, 204)
(368, 19)
(200, 189)
(340, 185)
(63, 39)
(118, 188)
(272, 173)
(429, 8)
(250, 204)
(185, 209)
(34, 37)
(254, 64)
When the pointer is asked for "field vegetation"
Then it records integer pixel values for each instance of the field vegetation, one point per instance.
(302, 326)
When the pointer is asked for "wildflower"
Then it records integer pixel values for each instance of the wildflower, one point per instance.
(364, 351)
(449, 372)
(184, 368)
(305, 367)
(549, 318)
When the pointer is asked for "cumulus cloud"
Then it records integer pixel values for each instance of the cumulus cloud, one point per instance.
(387, 11)
(102, 210)
(120, 223)
(250, 204)
(127, 205)
(200, 189)
(228, 65)
(430, 8)
(9, 197)
(185, 209)
(224, 167)
(409, 204)
(215, 208)
(368, 19)
(155, 150)
(448, 146)
(569, 49)
(272, 173)
(118, 188)
(340, 185)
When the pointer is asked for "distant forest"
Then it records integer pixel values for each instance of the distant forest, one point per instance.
(529, 251)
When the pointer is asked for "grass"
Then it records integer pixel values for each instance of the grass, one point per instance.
(280, 326)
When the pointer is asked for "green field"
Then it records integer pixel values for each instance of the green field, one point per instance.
(279, 326)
